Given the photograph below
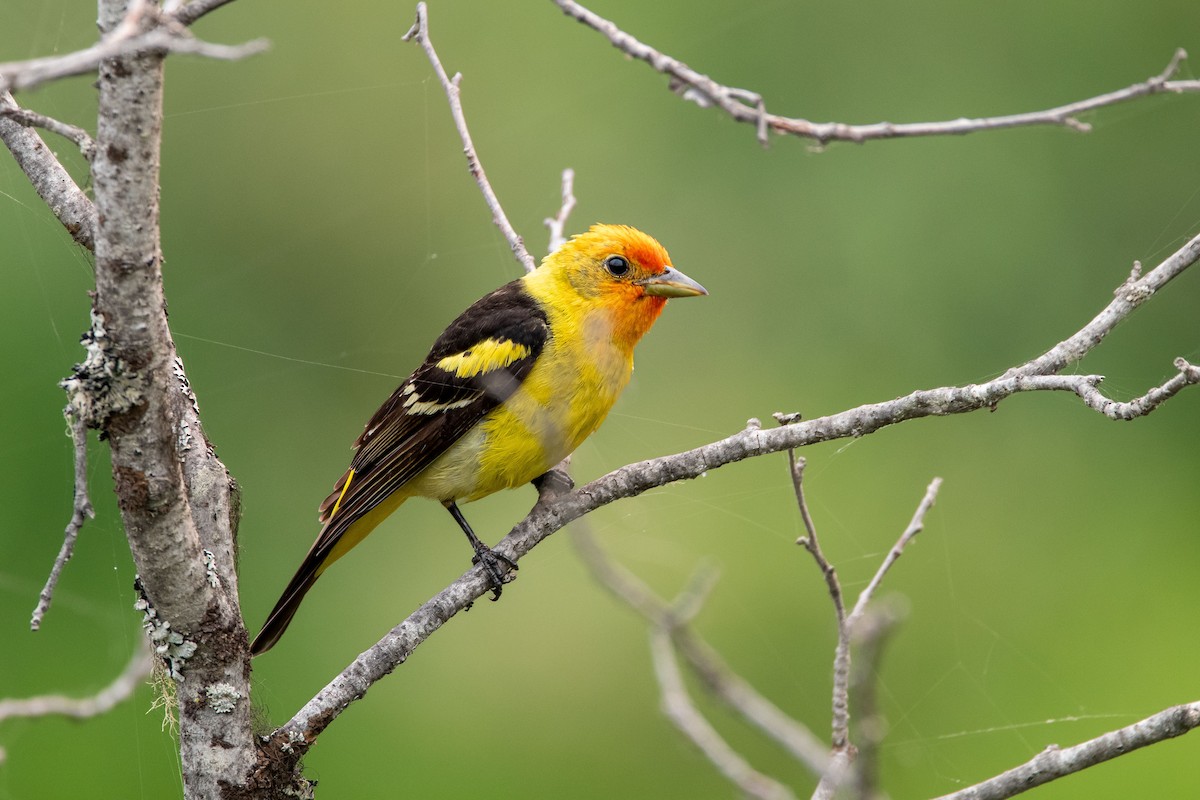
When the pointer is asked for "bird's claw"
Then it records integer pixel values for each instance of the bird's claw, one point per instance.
(492, 561)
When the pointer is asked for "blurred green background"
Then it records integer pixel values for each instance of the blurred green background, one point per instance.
(320, 229)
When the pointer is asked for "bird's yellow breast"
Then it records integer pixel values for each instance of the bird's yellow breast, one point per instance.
(570, 390)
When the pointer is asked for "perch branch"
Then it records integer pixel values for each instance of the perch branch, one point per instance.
(82, 512)
(1055, 762)
(634, 479)
(746, 106)
(420, 32)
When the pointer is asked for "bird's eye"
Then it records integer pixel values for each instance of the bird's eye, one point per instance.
(616, 266)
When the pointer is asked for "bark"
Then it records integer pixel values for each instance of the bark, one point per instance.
(177, 502)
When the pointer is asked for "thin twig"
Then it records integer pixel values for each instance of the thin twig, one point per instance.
(690, 601)
(708, 665)
(810, 542)
(845, 766)
(1055, 762)
(747, 106)
(915, 526)
(82, 511)
(49, 177)
(845, 756)
(194, 10)
(557, 224)
(840, 728)
(1140, 406)
(420, 32)
(678, 707)
(124, 685)
(166, 35)
(1129, 295)
(32, 119)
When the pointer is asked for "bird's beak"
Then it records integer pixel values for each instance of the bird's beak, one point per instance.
(671, 283)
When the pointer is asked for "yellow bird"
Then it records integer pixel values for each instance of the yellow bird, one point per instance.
(509, 389)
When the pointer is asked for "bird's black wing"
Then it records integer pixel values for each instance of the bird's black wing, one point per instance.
(474, 366)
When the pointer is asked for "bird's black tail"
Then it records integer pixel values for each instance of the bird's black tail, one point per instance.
(281, 616)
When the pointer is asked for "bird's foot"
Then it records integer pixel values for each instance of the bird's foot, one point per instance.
(496, 566)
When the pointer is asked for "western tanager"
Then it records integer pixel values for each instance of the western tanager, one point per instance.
(509, 389)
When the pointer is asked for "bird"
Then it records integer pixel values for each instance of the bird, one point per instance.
(509, 389)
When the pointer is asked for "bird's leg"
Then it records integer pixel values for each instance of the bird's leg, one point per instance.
(489, 558)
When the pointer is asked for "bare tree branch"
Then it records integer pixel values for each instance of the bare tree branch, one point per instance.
(634, 479)
(136, 672)
(1188, 375)
(31, 119)
(914, 527)
(292, 739)
(844, 768)
(125, 684)
(189, 12)
(678, 707)
(747, 106)
(716, 675)
(49, 178)
(1055, 762)
(870, 634)
(420, 32)
(143, 29)
(557, 224)
(82, 511)
(840, 728)
(811, 543)
(868, 630)
(1137, 289)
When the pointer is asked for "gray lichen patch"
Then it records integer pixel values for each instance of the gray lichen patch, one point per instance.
(101, 385)
(170, 646)
(222, 697)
